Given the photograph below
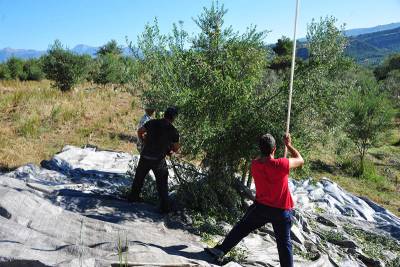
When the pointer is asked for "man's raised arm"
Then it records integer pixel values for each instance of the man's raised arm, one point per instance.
(295, 159)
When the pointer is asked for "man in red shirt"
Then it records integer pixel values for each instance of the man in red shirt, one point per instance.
(273, 202)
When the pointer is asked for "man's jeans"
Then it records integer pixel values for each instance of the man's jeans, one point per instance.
(256, 216)
(160, 170)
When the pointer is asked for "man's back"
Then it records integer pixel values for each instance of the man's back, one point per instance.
(271, 180)
(160, 135)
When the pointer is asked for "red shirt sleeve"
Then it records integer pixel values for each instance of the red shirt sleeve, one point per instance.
(284, 165)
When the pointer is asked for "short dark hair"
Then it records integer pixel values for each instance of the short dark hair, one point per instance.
(170, 113)
(266, 144)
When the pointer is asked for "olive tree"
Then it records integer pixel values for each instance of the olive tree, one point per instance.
(64, 67)
(369, 115)
(227, 97)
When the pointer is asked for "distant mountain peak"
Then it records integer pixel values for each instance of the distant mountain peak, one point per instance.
(378, 28)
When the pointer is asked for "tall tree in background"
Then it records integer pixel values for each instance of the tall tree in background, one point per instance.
(283, 50)
(283, 47)
(111, 47)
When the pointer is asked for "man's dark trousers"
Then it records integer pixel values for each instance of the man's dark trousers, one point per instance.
(160, 170)
(256, 216)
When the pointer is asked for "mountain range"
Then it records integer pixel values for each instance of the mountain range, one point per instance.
(366, 45)
(372, 48)
(80, 49)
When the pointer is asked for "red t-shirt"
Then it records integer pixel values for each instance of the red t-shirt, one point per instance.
(271, 180)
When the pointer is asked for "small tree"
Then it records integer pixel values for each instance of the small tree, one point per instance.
(391, 63)
(65, 68)
(15, 68)
(283, 47)
(4, 72)
(110, 69)
(33, 70)
(111, 47)
(369, 115)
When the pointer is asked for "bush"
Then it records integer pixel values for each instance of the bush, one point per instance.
(111, 47)
(65, 68)
(369, 116)
(110, 69)
(15, 68)
(370, 173)
(391, 63)
(33, 70)
(391, 85)
(4, 72)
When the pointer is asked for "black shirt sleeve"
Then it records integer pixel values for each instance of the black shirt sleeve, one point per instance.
(148, 125)
(175, 136)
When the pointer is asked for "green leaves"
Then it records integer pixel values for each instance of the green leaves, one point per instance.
(215, 82)
(65, 68)
(370, 114)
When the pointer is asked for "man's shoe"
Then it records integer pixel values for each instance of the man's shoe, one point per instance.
(216, 253)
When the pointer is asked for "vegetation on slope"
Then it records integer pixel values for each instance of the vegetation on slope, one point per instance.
(38, 120)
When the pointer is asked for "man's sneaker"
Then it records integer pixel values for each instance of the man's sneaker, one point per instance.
(216, 253)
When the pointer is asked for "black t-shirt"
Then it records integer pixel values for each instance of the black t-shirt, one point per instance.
(160, 135)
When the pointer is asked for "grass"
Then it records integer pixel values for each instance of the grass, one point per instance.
(38, 120)
(375, 245)
(123, 259)
(381, 182)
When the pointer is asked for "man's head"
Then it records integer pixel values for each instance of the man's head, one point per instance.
(149, 111)
(267, 144)
(171, 113)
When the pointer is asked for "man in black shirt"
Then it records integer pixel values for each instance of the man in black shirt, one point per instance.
(160, 139)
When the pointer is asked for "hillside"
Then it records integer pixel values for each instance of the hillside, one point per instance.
(358, 31)
(371, 48)
(38, 120)
(366, 49)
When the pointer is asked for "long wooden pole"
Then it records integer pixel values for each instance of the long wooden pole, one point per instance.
(292, 72)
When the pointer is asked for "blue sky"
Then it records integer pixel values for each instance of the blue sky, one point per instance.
(37, 23)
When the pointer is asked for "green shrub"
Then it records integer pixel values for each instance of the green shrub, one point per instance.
(111, 47)
(65, 68)
(110, 69)
(33, 70)
(370, 173)
(15, 68)
(369, 115)
(4, 72)
(391, 85)
(391, 63)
